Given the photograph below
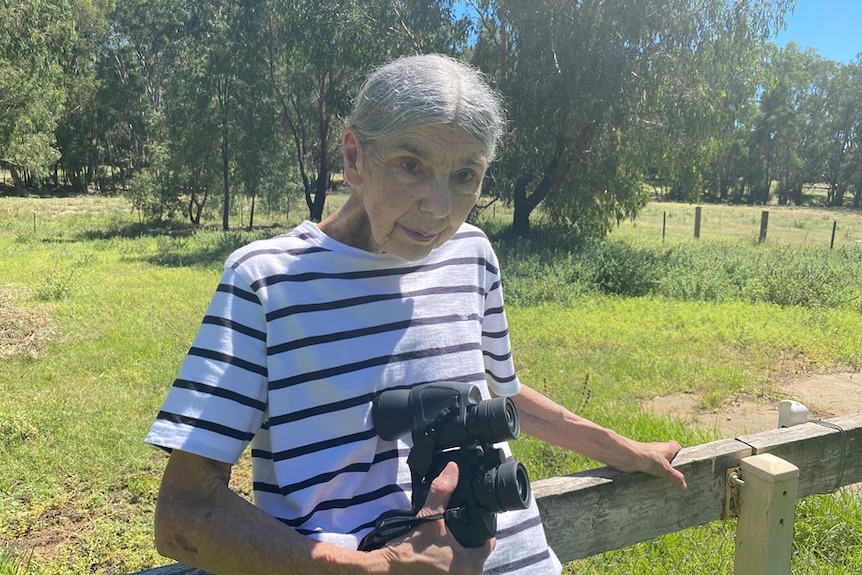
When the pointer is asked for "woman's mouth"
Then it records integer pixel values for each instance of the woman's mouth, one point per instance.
(420, 235)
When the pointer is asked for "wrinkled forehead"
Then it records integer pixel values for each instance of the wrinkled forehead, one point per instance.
(438, 143)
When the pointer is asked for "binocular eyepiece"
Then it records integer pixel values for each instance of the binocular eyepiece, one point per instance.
(396, 411)
(451, 422)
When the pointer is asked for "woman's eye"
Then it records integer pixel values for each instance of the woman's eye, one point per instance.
(409, 166)
(466, 176)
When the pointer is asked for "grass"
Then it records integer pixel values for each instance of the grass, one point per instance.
(787, 225)
(121, 302)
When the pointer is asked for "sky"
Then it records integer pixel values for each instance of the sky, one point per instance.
(832, 27)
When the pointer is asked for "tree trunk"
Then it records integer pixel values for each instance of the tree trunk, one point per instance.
(525, 204)
(319, 200)
(251, 213)
(521, 217)
(225, 215)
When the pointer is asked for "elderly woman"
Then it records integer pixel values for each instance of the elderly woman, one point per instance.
(393, 290)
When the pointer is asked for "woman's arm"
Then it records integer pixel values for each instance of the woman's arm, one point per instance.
(546, 420)
(201, 522)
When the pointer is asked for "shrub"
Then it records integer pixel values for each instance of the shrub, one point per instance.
(557, 269)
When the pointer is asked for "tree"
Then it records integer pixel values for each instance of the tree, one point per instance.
(318, 51)
(35, 37)
(134, 75)
(842, 124)
(787, 128)
(263, 164)
(595, 87)
(210, 68)
(81, 128)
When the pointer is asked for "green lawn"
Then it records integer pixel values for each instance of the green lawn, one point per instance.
(119, 305)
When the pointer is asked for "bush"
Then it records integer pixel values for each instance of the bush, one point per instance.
(550, 268)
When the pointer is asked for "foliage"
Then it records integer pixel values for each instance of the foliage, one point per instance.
(709, 271)
(13, 564)
(314, 81)
(35, 36)
(211, 106)
(598, 92)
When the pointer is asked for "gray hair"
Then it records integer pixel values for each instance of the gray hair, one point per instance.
(429, 89)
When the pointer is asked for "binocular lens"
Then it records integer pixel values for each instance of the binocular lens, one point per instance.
(391, 413)
(504, 488)
(494, 420)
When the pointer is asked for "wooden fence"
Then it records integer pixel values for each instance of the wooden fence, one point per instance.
(600, 510)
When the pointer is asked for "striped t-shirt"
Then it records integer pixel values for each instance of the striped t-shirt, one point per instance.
(300, 335)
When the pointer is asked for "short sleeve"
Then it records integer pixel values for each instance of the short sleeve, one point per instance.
(496, 346)
(218, 400)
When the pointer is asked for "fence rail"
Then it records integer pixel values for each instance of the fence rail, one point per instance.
(600, 510)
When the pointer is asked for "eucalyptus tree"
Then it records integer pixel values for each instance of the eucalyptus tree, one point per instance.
(787, 128)
(208, 85)
(318, 51)
(853, 73)
(260, 156)
(842, 123)
(599, 90)
(82, 127)
(35, 37)
(138, 66)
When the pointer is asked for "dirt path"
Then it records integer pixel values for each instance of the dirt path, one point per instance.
(825, 396)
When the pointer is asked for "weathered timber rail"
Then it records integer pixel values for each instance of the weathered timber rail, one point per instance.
(602, 509)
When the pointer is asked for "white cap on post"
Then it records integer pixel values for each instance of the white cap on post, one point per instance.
(791, 413)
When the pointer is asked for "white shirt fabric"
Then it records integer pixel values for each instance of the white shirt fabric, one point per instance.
(300, 335)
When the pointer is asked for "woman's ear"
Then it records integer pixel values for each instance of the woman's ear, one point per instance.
(352, 150)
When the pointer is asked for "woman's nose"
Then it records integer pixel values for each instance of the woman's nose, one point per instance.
(437, 199)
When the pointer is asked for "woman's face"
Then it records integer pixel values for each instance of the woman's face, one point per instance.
(416, 187)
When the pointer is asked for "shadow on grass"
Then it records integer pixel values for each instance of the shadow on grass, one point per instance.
(134, 230)
(183, 245)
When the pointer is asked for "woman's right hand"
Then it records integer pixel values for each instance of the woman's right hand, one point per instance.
(431, 547)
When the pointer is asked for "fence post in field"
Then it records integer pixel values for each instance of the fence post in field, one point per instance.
(834, 229)
(663, 225)
(767, 505)
(697, 215)
(764, 222)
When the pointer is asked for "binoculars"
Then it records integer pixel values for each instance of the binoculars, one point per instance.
(450, 421)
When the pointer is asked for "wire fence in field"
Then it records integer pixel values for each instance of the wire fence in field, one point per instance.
(777, 225)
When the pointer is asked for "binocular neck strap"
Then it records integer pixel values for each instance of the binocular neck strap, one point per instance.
(422, 453)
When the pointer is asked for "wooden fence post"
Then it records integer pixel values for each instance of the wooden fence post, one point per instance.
(698, 212)
(767, 505)
(764, 222)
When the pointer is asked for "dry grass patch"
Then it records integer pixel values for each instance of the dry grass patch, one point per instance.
(22, 332)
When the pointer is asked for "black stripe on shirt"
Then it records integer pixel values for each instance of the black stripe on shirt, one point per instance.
(343, 504)
(292, 417)
(519, 564)
(238, 292)
(365, 274)
(207, 425)
(371, 330)
(286, 490)
(534, 521)
(277, 251)
(496, 357)
(495, 334)
(371, 362)
(234, 326)
(229, 359)
(493, 311)
(323, 445)
(499, 379)
(362, 300)
(220, 392)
